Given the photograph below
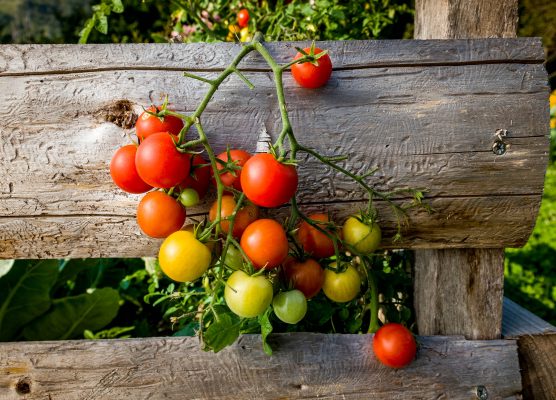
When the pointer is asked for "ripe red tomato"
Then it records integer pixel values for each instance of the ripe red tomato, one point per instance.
(306, 276)
(267, 182)
(123, 171)
(199, 177)
(148, 124)
(311, 76)
(244, 217)
(159, 163)
(265, 243)
(159, 215)
(314, 241)
(239, 158)
(394, 345)
(243, 18)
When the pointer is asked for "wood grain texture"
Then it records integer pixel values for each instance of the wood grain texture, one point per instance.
(517, 321)
(460, 19)
(424, 112)
(304, 365)
(537, 358)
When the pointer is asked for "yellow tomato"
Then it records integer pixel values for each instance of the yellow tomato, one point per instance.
(248, 296)
(341, 287)
(364, 238)
(183, 258)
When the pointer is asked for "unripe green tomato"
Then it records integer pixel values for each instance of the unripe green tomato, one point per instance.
(290, 307)
(189, 197)
(364, 238)
(248, 296)
(233, 258)
(341, 287)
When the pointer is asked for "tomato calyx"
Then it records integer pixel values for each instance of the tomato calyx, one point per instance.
(310, 56)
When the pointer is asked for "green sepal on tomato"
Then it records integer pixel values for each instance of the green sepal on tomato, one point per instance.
(312, 74)
(230, 167)
(394, 345)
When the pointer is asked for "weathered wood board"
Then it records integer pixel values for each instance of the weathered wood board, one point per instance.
(424, 112)
(304, 365)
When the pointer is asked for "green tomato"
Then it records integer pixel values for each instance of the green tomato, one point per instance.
(233, 258)
(189, 197)
(248, 296)
(341, 287)
(290, 307)
(364, 238)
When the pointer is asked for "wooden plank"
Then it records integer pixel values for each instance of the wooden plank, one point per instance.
(49, 59)
(517, 321)
(427, 126)
(304, 365)
(537, 358)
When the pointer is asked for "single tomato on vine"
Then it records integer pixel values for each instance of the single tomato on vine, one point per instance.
(341, 287)
(290, 307)
(364, 237)
(312, 74)
(230, 174)
(394, 345)
(183, 258)
(265, 243)
(306, 276)
(243, 18)
(268, 182)
(244, 216)
(123, 171)
(148, 124)
(247, 296)
(159, 163)
(314, 241)
(159, 215)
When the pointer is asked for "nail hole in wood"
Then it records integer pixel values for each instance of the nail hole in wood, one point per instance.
(23, 386)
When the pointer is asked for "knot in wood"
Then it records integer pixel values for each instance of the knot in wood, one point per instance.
(482, 392)
(23, 386)
(119, 113)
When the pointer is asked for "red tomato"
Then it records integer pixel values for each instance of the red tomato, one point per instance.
(265, 243)
(394, 345)
(243, 18)
(123, 171)
(160, 215)
(267, 182)
(199, 177)
(311, 76)
(306, 276)
(245, 215)
(159, 163)
(239, 158)
(148, 124)
(314, 241)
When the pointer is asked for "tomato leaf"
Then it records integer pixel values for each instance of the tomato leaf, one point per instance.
(266, 329)
(117, 6)
(25, 294)
(70, 316)
(222, 332)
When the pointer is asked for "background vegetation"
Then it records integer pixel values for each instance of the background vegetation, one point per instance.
(60, 288)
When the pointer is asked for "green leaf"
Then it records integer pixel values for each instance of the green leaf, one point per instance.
(86, 31)
(117, 6)
(25, 294)
(266, 329)
(222, 332)
(102, 24)
(70, 316)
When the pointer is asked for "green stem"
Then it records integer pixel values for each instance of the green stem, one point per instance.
(373, 324)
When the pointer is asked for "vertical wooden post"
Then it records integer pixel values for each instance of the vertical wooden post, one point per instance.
(460, 291)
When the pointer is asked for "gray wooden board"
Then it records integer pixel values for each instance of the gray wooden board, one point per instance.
(304, 365)
(517, 321)
(424, 112)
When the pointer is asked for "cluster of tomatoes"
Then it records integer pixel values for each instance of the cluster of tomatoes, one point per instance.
(258, 251)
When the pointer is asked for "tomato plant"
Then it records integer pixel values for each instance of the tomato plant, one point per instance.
(147, 124)
(265, 243)
(364, 237)
(230, 170)
(394, 345)
(312, 74)
(183, 258)
(342, 286)
(290, 307)
(123, 171)
(306, 276)
(159, 163)
(313, 241)
(247, 296)
(199, 176)
(244, 216)
(159, 215)
(268, 182)
(243, 18)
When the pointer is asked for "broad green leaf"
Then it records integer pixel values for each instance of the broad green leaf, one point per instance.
(70, 316)
(25, 294)
(266, 329)
(222, 332)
